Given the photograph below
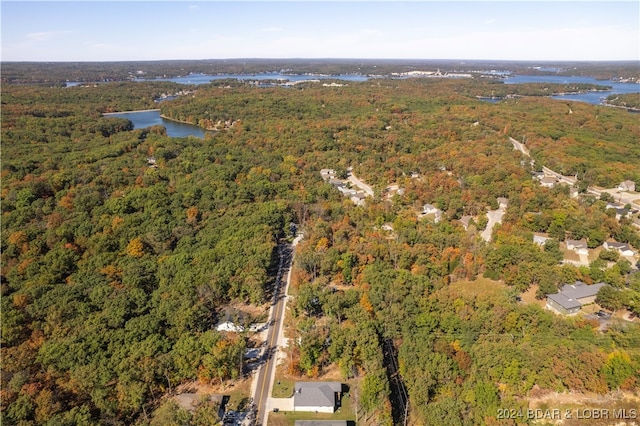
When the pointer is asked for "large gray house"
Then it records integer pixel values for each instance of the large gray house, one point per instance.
(571, 297)
(322, 397)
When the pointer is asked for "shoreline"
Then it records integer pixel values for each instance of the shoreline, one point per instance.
(629, 109)
(126, 112)
(208, 129)
(164, 117)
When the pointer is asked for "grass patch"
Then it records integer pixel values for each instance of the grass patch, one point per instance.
(239, 396)
(288, 418)
(283, 388)
(480, 286)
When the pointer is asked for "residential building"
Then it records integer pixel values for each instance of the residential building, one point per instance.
(321, 397)
(572, 297)
(579, 246)
(548, 181)
(327, 174)
(465, 220)
(627, 185)
(540, 239)
(622, 248)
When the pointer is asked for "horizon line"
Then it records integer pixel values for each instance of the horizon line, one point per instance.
(318, 59)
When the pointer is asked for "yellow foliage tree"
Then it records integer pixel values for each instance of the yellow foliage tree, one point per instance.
(135, 248)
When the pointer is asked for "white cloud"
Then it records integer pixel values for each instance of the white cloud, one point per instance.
(45, 35)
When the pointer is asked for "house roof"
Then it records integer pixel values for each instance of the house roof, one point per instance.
(577, 243)
(617, 245)
(429, 207)
(580, 290)
(564, 301)
(540, 237)
(548, 179)
(315, 394)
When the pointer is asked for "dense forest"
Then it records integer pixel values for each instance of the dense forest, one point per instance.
(121, 248)
(631, 100)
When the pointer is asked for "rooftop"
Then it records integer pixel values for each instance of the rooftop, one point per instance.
(580, 290)
(319, 394)
(564, 301)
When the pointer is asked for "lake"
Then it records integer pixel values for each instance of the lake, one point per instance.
(595, 98)
(208, 78)
(142, 119)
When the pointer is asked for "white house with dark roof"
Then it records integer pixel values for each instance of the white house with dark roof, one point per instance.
(571, 297)
(622, 248)
(321, 397)
(431, 209)
(579, 246)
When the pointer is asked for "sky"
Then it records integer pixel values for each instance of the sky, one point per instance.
(158, 30)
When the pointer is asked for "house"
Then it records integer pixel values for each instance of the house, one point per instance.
(563, 304)
(230, 327)
(503, 202)
(540, 239)
(572, 297)
(548, 181)
(614, 205)
(537, 175)
(387, 227)
(358, 198)
(336, 182)
(322, 397)
(327, 174)
(627, 185)
(622, 248)
(620, 213)
(320, 423)
(579, 246)
(429, 209)
(574, 192)
(465, 221)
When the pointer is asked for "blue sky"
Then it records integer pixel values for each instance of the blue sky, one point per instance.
(155, 30)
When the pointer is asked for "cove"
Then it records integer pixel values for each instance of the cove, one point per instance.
(148, 118)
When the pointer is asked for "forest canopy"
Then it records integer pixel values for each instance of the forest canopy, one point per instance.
(116, 269)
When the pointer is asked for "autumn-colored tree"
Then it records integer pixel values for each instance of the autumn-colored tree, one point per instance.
(135, 248)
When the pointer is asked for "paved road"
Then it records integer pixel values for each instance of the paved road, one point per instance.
(519, 146)
(495, 216)
(360, 184)
(266, 373)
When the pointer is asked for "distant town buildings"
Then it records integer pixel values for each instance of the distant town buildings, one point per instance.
(356, 196)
